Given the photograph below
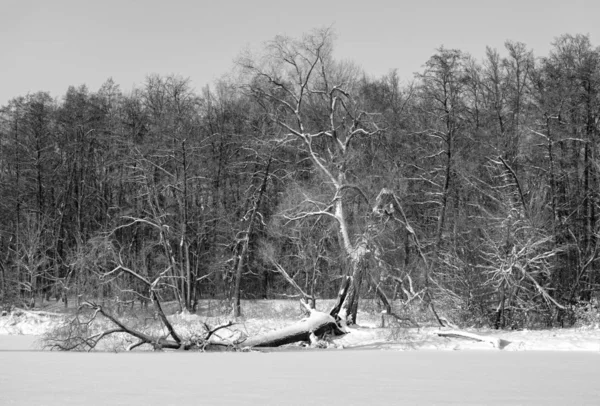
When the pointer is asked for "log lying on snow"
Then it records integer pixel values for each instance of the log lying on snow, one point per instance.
(316, 325)
(496, 342)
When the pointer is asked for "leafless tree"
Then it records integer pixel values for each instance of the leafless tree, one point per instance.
(313, 99)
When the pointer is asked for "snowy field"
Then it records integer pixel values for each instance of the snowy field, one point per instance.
(377, 366)
(332, 377)
(264, 316)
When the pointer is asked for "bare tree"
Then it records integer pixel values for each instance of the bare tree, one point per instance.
(314, 101)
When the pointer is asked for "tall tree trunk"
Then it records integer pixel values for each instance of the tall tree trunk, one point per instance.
(237, 308)
(355, 254)
(445, 193)
(3, 282)
(349, 308)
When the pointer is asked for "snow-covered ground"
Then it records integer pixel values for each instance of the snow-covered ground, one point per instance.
(551, 367)
(574, 339)
(333, 377)
(21, 324)
(263, 316)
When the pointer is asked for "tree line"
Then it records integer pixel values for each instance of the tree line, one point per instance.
(472, 189)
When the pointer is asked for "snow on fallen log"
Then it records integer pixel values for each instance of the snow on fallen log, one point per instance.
(317, 324)
(496, 342)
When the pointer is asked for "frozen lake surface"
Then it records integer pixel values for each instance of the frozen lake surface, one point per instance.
(350, 377)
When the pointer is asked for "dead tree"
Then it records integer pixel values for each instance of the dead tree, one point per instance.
(78, 333)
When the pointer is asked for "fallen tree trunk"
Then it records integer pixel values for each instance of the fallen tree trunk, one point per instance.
(76, 334)
(496, 342)
(316, 325)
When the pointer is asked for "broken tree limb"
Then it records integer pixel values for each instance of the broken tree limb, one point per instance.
(291, 281)
(335, 310)
(317, 324)
(388, 203)
(388, 306)
(163, 316)
(77, 335)
(496, 342)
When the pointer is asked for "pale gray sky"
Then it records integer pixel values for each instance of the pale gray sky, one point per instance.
(51, 44)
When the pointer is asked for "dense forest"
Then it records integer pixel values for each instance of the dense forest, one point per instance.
(473, 189)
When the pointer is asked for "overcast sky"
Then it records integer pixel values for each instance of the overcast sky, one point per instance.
(48, 45)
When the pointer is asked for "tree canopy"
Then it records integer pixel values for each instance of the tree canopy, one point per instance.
(473, 187)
